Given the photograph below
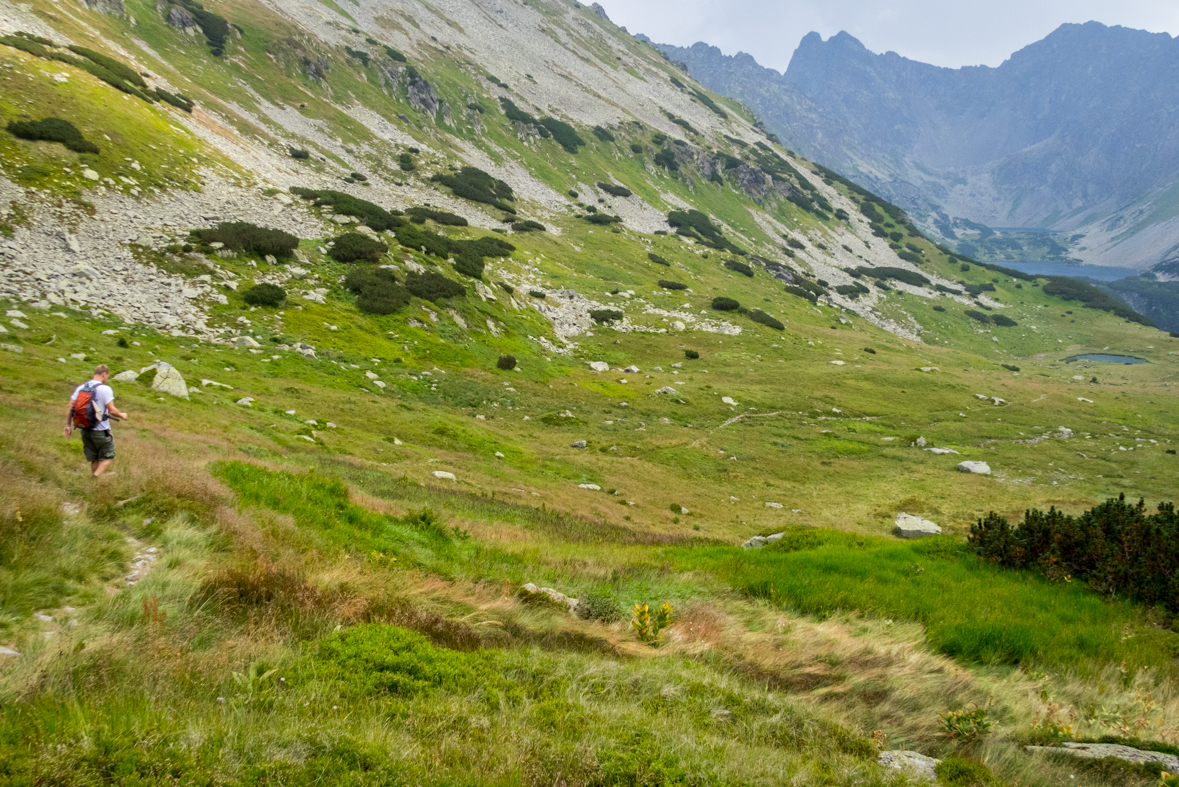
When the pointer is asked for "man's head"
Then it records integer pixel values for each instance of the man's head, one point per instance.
(102, 372)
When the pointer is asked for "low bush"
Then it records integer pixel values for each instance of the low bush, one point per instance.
(960, 772)
(599, 605)
(1092, 298)
(374, 216)
(635, 147)
(264, 295)
(692, 355)
(939, 308)
(116, 67)
(405, 162)
(739, 267)
(1003, 321)
(250, 239)
(603, 134)
(376, 289)
(419, 215)
(794, 243)
(655, 258)
(694, 224)
(528, 226)
(432, 286)
(899, 274)
(966, 724)
(977, 315)
(666, 159)
(613, 190)
(215, 28)
(853, 290)
(538, 294)
(564, 134)
(603, 219)
(356, 177)
(909, 256)
(52, 130)
(299, 154)
(506, 362)
(476, 185)
(723, 304)
(761, 318)
(1010, 368)
(672, 285)
(175, 99)
(605, 315)
(354, 247)
(394, 54)
(1116, 547)
(358, 54)
(707, 101)
(869, 350)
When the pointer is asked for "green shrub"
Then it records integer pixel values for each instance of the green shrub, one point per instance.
(939, 308)
(358, 54)
(405, 162)
(677, 83)
(1003, 321)
(419, 215)
(52, 130)
(613, 190)
(704, 99)
(377, 289)
(794, 243)
(761, 318)
(966, 724)
(1092, 298)
(506, 362)
(694, 224)
(432, 286)
(1118, 548)
(299, 153)
(264, 295)
(599, 605)
(666, 159)
(900, 274)
(374, 659)
(215, 28)
(909, 256)
(354, 247)
(635, 147)
(538, 294)
(964, 267)
(853, 290)
(249, 239)
(602, 219)
(514, 113)
(374, 216)
(605, 315)
(476, 185)
(691, 355)
(739, 267)
(564, 134)
(1010, 368)
(722, 304)
(116, 67)
(175, 99)
(977, 315)
(603, 134)
(960, 772)
(685, 125)
(356, 177)
(672, 285)
(655, 258)
(394, 54)
(528, 226)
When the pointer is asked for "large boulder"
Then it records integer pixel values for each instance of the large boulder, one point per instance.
(112, 7)
(168, 380)
(978, 468)
(909, 526)
(913, 764)
(549, 595)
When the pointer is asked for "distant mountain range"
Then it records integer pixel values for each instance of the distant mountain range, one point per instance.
(1077, 134)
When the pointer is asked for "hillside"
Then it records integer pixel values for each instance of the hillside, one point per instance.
(1070, 134)
(476, 298)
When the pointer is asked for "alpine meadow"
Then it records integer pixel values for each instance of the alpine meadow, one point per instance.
(503, 407)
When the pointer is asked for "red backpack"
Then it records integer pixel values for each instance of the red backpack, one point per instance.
(85, 416)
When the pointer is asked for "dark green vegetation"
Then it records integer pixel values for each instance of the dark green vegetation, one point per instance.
(1117, 548)
(374, 216)
(506, 363)
(697, 225)
(376, 289)
(527, 225)
(354, 247)
(724, 304)
(761, 318)
(655, 258)
(739, 267)
(672, 285)
(476, 185)
(432, 286)
(1091, 297)
(899, 274)
(52, 130)
(613, 190)
(249, 238)
(264, 295)
(605, 315)
(215, 28)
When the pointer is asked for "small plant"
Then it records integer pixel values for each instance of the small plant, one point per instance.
(256, 685)
(405, 161)
(605, 315)
(595, 605)
(722, 304)
(966, 724)
(354, 247)
(869, 350)
(647, 628)
(761, 318)
(739, 267)
(249, 239)
(506, 362)
(961, 772)
(1010, 368)
(299, 154)
(672, 285)
(613, 190)
(431, 286)
(655, 258)
(691, 355)
(264, 295)
(528, 225)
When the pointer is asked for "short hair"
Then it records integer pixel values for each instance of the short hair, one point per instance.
(102, 368)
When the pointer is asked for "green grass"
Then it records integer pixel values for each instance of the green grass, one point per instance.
(971, 610)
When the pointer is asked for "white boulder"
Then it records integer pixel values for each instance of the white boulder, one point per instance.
(979, 468)
(909, 526)
(169, 380)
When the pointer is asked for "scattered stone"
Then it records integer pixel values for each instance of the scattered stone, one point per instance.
(89, 174)
(553, 595)
(216, 384)
(578, 444)
(1099, 751)
(757, 542)
(838, 363)
(20, 326)
(979, 468)
(632, 369)
(245, 342)
(591, 487)
(909, 526)
(247, 401)
(941, 451)
(728, 400)
(1083, 399)
(667, 389)
(371, 376)
(5, 651)
(128, 376)
(913, 764)
(14, 313)
(998, 401)
(445, 476)
(930, 369)
(921, 442)
(12, 348)
(599, 366)
(774, 505)
(168, 380)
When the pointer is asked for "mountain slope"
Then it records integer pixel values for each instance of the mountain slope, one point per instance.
(1072, 133)
(498, 334)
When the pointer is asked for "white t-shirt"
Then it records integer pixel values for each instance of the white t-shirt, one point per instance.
(102, 396)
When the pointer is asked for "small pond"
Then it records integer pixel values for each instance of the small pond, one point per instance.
(1106, 358)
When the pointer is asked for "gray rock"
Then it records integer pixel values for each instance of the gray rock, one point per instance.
(422, 96)
(757, 542)
(979, 468)
(169, 380)
(12, 348)
(1099, 751)
(445, 476)
(941, 451)
(667, 389)
(599, 366)
(591, 487)
(179, 17)
(597, 9)
(909, 526)
(245, 342)
(553, 595)
(578, 444)
(631, 369)
(128, 376)
(245, 401)
(8, 651)
(913, 764)
(112, 7)
(921, 442)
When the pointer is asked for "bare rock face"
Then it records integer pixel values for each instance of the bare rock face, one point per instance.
(909, 526)
(112, 7)
(597, 9)
(179, 17)
(422, 96)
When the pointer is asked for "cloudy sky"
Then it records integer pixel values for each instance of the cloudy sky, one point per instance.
(944, 32)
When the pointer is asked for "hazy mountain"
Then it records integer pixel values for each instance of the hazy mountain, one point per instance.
(1075, 133)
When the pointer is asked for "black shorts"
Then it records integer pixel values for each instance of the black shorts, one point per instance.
(99, 445)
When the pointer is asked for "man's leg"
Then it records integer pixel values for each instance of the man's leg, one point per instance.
(99, 468)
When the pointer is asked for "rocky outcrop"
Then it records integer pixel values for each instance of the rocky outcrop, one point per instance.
(112, 7)
(182, 19)
(422, 96)
(597, 9)
(909, 526)
(1101, 751)
(169, 380)
(978, 468)
(913, 764)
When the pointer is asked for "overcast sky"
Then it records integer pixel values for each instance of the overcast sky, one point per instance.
(943, 32)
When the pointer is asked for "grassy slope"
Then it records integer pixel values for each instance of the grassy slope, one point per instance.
(831, 469)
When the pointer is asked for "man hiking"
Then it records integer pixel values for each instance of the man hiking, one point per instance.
(90, 408)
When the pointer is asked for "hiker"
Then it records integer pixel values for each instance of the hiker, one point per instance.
(90, 409)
